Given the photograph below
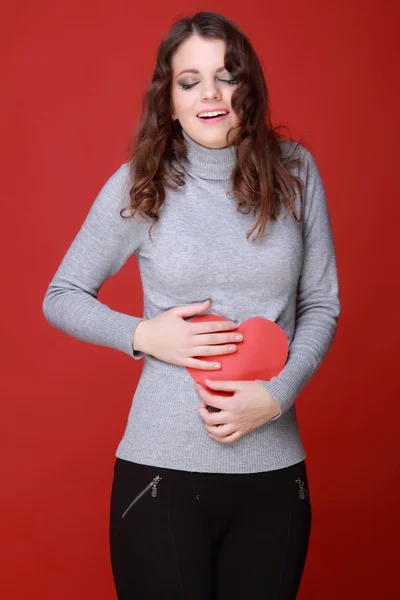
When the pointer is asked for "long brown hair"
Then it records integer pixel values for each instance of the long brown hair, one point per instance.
(261, 179)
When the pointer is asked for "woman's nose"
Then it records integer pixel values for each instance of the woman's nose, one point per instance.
(211, 92)
(211, 89)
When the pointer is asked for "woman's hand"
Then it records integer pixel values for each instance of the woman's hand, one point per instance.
(249, 407)
(169, 337)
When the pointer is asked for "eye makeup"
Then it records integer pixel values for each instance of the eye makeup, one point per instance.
(188, 86)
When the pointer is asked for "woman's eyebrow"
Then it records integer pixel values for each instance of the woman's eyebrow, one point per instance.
(195, 71)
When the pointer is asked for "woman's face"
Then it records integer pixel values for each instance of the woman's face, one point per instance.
(209, 88)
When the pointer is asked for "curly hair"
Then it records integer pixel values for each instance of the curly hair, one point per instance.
(261, 179)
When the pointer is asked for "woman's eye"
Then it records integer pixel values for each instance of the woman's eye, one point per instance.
(230, 81)
(187, 86)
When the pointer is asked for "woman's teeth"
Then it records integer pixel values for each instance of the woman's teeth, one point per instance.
(208, 115)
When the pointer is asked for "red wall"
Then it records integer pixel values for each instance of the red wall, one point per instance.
(73, 78)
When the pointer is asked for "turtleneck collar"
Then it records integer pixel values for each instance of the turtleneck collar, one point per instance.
(209, 163)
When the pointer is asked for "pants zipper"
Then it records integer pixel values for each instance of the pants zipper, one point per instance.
(302, 491)
(153, 483)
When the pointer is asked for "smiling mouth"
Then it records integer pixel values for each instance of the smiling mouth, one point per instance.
(215, 118)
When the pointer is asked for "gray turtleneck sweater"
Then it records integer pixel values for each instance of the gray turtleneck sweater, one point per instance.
(199, 251)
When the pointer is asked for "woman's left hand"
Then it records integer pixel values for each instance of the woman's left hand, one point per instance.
(249, 407)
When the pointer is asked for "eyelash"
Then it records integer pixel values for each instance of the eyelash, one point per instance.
(187, 86)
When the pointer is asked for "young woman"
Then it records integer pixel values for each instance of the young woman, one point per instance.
(207, 504)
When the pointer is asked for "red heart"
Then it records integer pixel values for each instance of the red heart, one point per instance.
(261, 355)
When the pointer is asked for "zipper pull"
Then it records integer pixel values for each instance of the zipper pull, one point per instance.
(302, 490)
(153, 485)
(154, 488)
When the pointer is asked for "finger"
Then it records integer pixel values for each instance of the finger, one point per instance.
(214, 418)
(220, 431)
(203, 412)
(221, 402)
(211, 399)
(228, 439)
(225, 386)
(211, 326)
(188, 310)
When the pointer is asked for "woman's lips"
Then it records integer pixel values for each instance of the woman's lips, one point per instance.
(213, 119)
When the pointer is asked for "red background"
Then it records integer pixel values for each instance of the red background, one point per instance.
(73, 76)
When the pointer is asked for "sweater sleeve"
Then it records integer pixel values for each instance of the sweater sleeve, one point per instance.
(100, 249)
(318, 304)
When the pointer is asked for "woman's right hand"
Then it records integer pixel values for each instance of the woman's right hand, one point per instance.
(170, 338)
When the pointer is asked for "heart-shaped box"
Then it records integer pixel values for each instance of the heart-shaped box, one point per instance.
(261, 355)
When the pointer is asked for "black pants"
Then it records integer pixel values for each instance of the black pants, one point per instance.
(208, 536)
